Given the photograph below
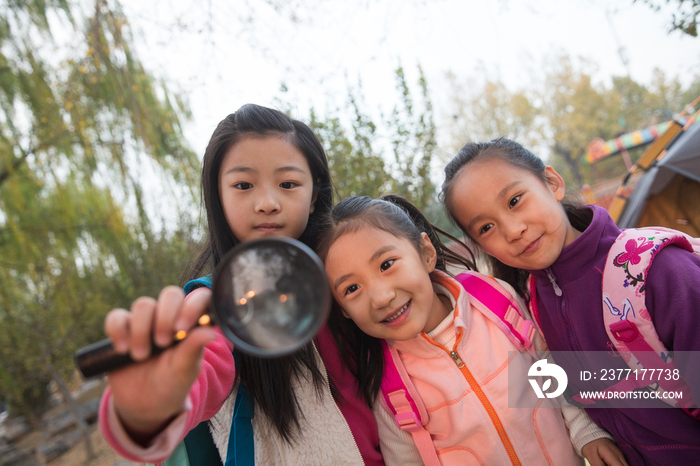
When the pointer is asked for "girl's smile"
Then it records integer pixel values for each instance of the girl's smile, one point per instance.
(532, 247)
(399, 317)
(382, 282)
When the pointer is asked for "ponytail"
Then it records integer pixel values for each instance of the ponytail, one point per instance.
(445, 255)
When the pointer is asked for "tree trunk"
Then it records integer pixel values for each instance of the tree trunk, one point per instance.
(573, 164)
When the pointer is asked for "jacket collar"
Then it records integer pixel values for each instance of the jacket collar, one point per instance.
(585, 252)
(443, 284)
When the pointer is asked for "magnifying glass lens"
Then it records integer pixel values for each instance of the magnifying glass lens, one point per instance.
(270, 296)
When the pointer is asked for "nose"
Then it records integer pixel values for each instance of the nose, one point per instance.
(514, 229)
(381, 295)
(267, 202)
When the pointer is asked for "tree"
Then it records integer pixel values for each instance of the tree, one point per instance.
(356, 167)
(563, 112)
(413, 142)
(685, 19)
(576, 111)
(394, 156)
(79, 126)
(359, 155)
(484, 109)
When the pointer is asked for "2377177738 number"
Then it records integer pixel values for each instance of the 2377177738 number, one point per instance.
(652, 375)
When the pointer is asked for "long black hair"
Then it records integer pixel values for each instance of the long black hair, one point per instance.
(515, 154)
(363, 353)
(268, 380)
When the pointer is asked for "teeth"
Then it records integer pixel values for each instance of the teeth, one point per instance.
(396, 316)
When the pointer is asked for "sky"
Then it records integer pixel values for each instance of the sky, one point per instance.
(222, 54)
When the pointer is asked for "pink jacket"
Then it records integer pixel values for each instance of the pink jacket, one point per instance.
(469, 418)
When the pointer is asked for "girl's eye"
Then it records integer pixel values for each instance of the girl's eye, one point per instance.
(386, 264)
(485, 228)
(243, 185)
(350, 289)
(288, 185)
(514, 200)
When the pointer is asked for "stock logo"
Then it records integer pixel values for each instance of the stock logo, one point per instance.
(542, 368)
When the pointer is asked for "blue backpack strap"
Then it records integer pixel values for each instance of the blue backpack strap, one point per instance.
(241, 445)
(197, 283)
(200, 446)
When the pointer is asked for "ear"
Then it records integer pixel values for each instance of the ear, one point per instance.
(428, 252)
(313, 201)
(345, 313)
(555, 182)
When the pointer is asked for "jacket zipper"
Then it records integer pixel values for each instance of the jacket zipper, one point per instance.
(474, 385)
(567, 322)
(562, 309)
(553, 281)
(328, 386)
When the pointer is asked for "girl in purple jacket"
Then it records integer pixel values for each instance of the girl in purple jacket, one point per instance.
(510, 203)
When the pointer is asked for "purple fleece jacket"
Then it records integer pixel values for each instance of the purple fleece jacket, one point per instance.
(574, 322)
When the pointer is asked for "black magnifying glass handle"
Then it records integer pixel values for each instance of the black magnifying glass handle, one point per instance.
(101, 357)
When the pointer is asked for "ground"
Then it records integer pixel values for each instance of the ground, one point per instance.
(76, 456)
(105, 455)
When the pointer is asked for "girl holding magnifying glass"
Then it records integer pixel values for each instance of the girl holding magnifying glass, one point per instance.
(264, 174)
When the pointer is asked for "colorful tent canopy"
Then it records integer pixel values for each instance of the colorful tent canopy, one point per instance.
(599, 149)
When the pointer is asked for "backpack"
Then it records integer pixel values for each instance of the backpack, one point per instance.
(627, 321)
(198, 448)
(397, 389)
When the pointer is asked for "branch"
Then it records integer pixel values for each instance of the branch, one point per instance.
(15, 165)
(25, 154)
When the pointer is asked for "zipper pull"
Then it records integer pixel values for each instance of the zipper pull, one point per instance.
(456, 358)
(557, 290)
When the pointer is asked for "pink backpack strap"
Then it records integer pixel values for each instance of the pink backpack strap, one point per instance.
(405, 404)
(648, 358)
(627, 320)
(504, 309)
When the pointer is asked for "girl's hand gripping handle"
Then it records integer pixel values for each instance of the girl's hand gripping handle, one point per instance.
(101, 357)
(128, 330)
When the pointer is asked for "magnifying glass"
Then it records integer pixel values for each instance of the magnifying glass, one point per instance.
(270, 296)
